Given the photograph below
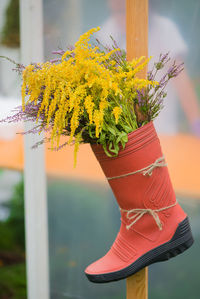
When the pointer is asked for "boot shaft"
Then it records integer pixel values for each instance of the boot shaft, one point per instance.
(137, 182)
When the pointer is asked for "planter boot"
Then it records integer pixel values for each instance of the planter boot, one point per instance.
(153, 225)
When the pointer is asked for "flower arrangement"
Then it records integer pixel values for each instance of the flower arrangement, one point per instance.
(92, 94)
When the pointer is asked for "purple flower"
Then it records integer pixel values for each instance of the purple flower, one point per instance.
(164, 58)
(163, 80)
(150, 75)
(55, 60)
(175, 70)
(141, 97)
(59, 52)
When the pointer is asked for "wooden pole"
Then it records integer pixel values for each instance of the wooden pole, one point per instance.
(137, 45)
(137, 285)
(137, 30)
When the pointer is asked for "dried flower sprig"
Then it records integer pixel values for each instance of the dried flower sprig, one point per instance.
(151, 100)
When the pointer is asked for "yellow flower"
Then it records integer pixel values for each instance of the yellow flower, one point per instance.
(89, 106)
(84, 85)
(117, 112)
(98, 120)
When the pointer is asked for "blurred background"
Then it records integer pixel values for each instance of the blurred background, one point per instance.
(79, 199)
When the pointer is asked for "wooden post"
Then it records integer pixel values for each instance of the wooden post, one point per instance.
(137, 29)
(137, 285)
(137, 45)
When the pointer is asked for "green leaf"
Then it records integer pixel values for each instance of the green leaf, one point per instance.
(111, 130)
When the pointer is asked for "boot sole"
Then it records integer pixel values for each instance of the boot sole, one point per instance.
(181, 241)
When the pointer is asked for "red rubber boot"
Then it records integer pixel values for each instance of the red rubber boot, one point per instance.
(153, 225)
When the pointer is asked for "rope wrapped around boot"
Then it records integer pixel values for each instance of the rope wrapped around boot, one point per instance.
(138, 213)
(148, 170)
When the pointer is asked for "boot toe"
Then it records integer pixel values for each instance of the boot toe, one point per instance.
(107, 264)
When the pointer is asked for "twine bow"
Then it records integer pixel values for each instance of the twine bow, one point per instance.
(138, 213)
(160, 162)
(148, 170)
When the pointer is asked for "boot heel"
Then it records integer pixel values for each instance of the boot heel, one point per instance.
(181, 241)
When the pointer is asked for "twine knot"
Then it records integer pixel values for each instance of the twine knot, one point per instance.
(136, 214)
(160, 162)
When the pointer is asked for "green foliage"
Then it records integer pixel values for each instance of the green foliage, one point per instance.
(16, 217)
(10, 32)
(12, 230)
(116, 137)
(13, 282)
(6, 240)
(12, 246)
